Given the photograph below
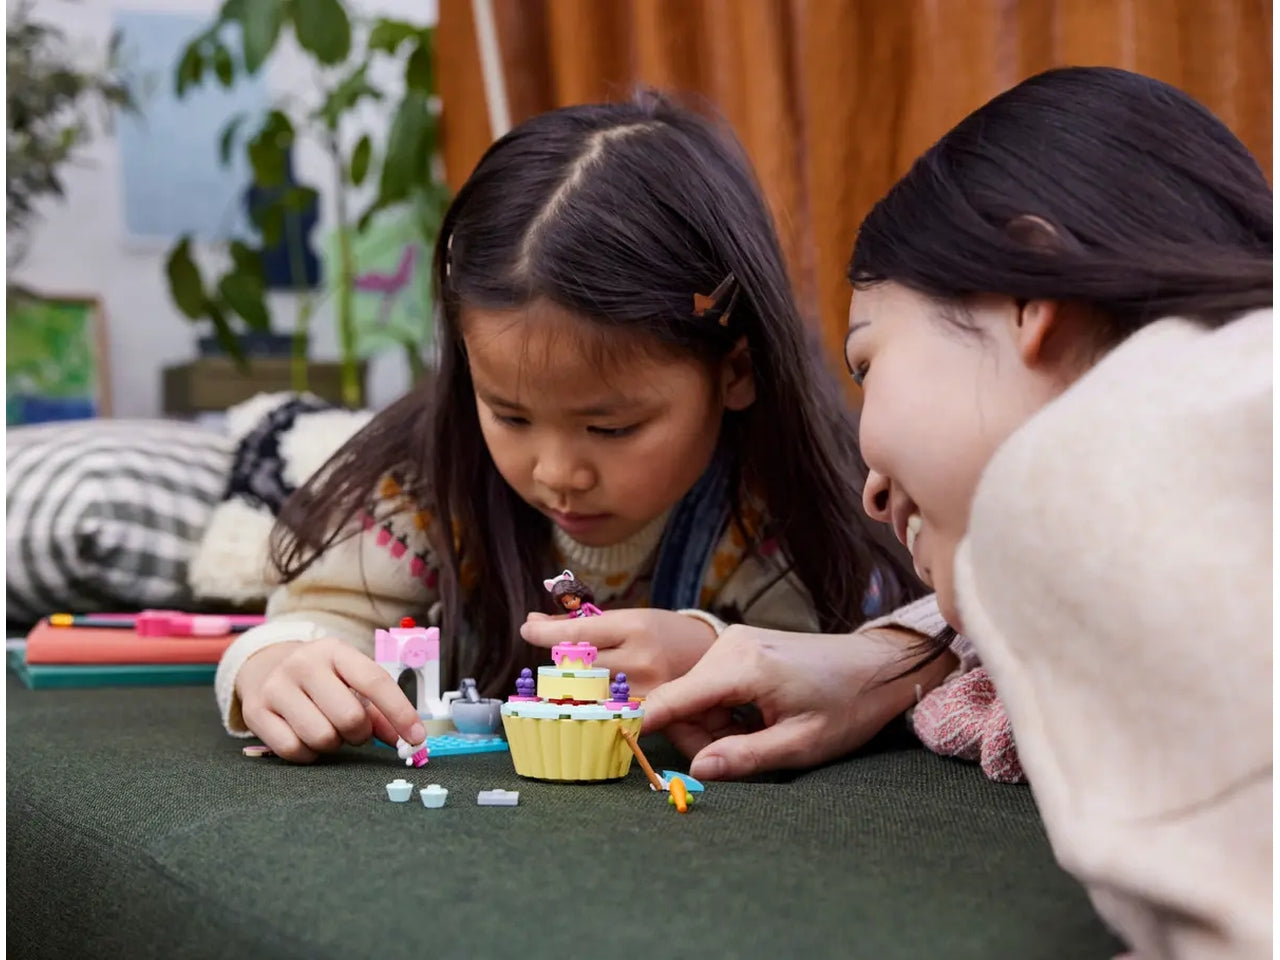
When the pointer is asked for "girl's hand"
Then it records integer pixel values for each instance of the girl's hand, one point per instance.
(818, 696)
(304, 699)
(649, 646)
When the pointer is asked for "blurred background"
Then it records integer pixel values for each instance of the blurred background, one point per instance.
(208, 200)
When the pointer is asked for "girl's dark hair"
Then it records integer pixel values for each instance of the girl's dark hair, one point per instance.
(572, 588)
(1088, 185)
(1084, 184)
(620, 213)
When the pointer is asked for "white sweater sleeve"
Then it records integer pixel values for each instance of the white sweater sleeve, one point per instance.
(354, 588)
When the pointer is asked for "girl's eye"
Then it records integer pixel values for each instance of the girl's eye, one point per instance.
(613, 432)
(859, 372)
(511, 421)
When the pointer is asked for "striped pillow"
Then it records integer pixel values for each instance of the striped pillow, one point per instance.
(105, 514)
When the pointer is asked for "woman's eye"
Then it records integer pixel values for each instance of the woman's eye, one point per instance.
(859, 372)
(613, 432)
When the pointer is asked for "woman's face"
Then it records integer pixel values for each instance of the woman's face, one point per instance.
(938, 400)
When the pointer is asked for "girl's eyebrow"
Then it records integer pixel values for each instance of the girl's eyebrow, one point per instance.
(853, 328)
(593, 410)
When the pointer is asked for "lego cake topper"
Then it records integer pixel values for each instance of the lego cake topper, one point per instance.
(572, 595)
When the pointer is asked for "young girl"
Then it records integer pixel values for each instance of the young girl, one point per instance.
(1062, 324)
(625, 388)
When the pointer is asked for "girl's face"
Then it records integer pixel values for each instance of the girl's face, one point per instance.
(602, 452)
(938, 400)
(570, 602)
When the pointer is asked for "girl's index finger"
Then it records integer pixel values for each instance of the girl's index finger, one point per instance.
(375, 686)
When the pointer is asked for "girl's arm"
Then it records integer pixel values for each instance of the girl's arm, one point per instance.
(364, 582)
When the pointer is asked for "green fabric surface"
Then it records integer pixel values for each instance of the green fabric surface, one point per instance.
(137, 829)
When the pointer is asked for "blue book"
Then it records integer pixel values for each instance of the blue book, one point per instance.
(49, 676)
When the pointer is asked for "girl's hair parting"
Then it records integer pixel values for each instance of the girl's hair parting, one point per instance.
(620, 213)
(1084, 184)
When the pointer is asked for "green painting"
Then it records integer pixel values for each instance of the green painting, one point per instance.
(392, 301)
(53, 364)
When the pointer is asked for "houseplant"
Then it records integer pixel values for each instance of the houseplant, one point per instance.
(343, 49)
(50, 101)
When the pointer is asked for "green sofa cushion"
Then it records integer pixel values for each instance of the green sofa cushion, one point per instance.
(137, 829)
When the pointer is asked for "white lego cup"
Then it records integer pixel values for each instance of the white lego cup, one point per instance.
(433, 796)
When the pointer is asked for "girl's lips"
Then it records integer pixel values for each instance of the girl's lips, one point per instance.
(576, 522)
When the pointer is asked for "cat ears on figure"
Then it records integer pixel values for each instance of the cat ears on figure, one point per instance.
(551, 584)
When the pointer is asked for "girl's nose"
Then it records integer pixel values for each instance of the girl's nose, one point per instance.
(563, 474)
(875, 496)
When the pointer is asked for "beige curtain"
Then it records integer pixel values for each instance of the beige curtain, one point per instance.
(833, 99)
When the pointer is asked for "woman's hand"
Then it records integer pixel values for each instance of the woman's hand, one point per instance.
(305, 699)
(649, 646)
(820, 697)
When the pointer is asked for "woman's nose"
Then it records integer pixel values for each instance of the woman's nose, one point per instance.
(875, 496)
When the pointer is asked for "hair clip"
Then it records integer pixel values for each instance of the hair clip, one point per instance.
(448, 256)
(711, 308)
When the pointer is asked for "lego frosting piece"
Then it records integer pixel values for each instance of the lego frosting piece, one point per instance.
(399, 790)
(257, 750)
(498, 798)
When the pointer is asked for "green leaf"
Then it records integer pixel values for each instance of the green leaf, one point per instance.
(269, 219)
(222, 65)
(261, 26)
(226, 336)
(185, 285)
(190, 70)
(232, 11)
(296, 199)
(360, 160)
(322, 29)
(387, 35)
(245, 294)
(269, 150)
(408, 147)
(227, 138)
(248, 260)
(418, 73)
(346, 95)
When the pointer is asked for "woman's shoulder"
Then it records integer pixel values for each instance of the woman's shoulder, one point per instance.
(1162, 451)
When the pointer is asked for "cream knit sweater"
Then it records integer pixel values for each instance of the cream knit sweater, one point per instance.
(1117, 583)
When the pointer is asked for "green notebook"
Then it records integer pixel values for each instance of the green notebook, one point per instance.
(49, 676)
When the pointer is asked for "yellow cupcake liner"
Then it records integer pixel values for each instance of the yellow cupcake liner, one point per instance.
(571, 750)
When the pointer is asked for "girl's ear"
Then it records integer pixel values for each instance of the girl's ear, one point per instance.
(1032, 322)
(738, 378)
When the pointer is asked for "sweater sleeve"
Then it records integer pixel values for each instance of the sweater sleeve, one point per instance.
(1121, 598)
(366, 580)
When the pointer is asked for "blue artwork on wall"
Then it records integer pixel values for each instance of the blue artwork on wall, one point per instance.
(173, 180)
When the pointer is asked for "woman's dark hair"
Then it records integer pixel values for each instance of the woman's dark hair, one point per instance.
(1088, 185)
(1085, 184)
(619, 213)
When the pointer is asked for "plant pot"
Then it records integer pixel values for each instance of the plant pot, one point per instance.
(213, 384)
(254, 344)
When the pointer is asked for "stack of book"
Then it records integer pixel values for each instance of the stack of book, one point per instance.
(105, 650)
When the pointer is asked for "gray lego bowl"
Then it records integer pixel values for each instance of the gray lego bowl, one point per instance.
(482, 717)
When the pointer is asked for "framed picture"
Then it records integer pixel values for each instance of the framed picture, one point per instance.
(56, 359)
